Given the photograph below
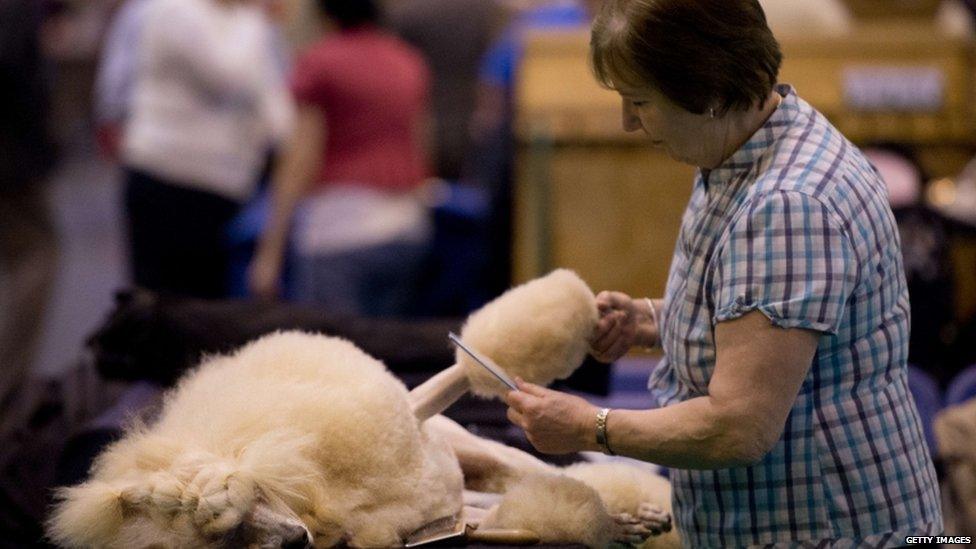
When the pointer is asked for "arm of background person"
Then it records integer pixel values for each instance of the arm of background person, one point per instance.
(115, 79)
(299, 166)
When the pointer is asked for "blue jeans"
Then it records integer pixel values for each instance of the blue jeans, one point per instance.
(374, 281)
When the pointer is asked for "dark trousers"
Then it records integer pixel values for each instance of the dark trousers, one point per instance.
(177, 236)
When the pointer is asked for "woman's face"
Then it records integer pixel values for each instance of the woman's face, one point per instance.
(686, 137)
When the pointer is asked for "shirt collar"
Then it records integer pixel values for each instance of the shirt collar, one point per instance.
(743, 159)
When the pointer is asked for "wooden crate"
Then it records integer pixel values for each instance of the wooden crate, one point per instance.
(883, 9)
(591, 197)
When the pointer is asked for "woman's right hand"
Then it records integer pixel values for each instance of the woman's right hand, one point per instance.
(617, 330)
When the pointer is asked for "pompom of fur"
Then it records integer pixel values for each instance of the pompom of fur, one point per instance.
(623, 488)
(557, 508)
(86, 515)
(538, 331)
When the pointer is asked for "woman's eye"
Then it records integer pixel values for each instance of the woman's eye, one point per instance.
(638, 103)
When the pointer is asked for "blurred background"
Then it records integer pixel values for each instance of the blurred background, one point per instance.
(177, 176)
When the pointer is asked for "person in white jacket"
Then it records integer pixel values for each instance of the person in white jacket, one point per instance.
(116, 75)
(209, 101)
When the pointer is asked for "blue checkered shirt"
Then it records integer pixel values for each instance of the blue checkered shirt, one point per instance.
(796, 224)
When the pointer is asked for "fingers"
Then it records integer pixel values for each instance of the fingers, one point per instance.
(516, 418)
(608, 329)
(516, 399)
(654, 517)
(607, 300)
(520, 401)
(607, 326)
(530, 388)
(517, 404)
(613, 336)
(550, 419)
(619, 347)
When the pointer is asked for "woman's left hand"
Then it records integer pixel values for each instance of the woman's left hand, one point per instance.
(554, 422)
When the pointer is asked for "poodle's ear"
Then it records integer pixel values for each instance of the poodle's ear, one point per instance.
(90, 514)
(87, 515)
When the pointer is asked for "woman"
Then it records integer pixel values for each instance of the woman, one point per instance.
(208, 103)
(785, 412)
(345, 192)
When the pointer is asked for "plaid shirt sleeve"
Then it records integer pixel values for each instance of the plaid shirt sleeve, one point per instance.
(787, 256)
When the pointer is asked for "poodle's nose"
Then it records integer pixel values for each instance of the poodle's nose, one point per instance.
(296, 539)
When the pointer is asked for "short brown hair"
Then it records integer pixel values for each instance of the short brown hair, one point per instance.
(699, 53)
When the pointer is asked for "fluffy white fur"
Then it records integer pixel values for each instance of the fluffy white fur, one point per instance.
(557, 508)
(625, 489)
(488, 466)
(312, 432)
(309, 424)
(539, 331)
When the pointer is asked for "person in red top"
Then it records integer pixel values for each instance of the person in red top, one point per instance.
(346, 189)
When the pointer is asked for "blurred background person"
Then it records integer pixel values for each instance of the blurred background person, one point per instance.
(208, 102)
(28, 244)
(454, 35)
(346, 189)
(434, 28)
(82, 192)
(925, 245)
(116, 75)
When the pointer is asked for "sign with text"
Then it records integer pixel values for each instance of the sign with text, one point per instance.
(912, 89)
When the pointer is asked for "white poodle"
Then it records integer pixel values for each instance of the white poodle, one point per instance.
(298, 440)
(294, 437)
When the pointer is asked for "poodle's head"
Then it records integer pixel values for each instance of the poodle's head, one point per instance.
(213, 505)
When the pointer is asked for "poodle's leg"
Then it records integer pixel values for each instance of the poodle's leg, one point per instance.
(629, 530)
(438, 393)
(654, 518)
(474, 516)
(637, 498)
(481, 500)
(488, 466)
(321, 520)
(650, 521)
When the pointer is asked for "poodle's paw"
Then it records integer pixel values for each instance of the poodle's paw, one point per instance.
(630, 530)
(654, 518)
(634, 530)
